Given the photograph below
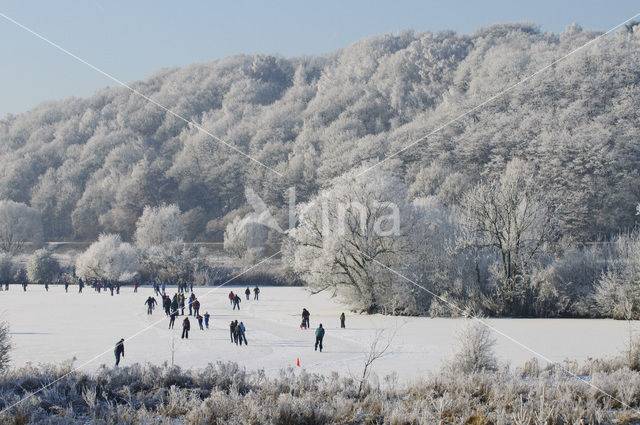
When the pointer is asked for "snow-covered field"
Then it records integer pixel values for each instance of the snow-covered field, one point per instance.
(55, 326)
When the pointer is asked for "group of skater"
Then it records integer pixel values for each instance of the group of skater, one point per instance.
(306, 324)
(237, 333)
(234, 299)
(176, 305)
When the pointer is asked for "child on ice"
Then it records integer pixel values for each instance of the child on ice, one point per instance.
(206, 319)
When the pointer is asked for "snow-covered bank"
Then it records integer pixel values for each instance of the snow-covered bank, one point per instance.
(55, 326)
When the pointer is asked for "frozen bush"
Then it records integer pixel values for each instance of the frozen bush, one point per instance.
(5, 346)
(475, 349)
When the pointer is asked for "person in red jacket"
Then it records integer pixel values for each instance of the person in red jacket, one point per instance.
(231, 297)
(186, 326)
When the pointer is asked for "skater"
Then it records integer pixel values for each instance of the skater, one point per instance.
(206, 319)
(182, 303)
(46, 286)
(174, 303)
(172, 318)
(119, 350)
(151, 303)
(66, 286)
(237, 334)
(231, 297)
(242, 335)
(164, 287)
(166, 304)
(118, 288)
(236, 302)
(247, 293)
(256, 291)
(80, 286)
(196, 307)
(191, 286)
(342, 317)
(24, 286)
(232, 330)
(155, 288)
(111, 288)
(135, 286)
(191, 298)
(305, 318)
(186, 326)
(200, 322)
(319, 336)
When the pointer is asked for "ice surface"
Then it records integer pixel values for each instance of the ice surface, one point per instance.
(55, 326)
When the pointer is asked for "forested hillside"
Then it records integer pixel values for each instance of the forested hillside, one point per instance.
(91, 165)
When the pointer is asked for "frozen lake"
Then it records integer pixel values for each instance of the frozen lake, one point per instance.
(55, 326)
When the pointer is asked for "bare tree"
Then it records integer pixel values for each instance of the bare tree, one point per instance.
(378, 348)
(510, 217)
(348, 232)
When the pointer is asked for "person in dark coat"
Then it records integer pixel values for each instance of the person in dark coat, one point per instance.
(150, 303)
(237, 334)
(247, 292)
(232, 330)
(66, 286)
(256, 291)
(119, 350)
(172, 318)
(166, 304)
(199, 317)
(319, 336)
(196, 307)
(174, 303)
(342, 318)
(236, 302)
(186, 326)
(305, 317)
(80, 286)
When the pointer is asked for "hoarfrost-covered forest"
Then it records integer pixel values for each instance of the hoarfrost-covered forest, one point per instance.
(557, 155)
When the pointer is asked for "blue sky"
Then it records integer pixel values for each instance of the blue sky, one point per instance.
(133, 39)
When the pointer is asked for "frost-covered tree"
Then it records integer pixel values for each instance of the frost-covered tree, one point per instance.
(245, 237)
(618, 288)
(170, 262)
(42, 267)
(19, 225)
(159, 226)
(108, 258)
(510, 217)
(5, 346)
(351, 235)
(6, 268)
